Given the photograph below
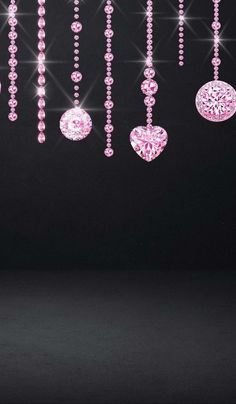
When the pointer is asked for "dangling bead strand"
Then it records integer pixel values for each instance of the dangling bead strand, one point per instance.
(76, 123)
(41, 71)
(216, 25)
(76, 76)
(149, 86)
(181, 33)
(12, 21)
(109, 33)
(149, 141)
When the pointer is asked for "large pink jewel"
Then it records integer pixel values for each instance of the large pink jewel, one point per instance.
(76, 124)
(148, 141)
(216, 101)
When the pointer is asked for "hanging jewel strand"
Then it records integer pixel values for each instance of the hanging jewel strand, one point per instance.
(181, 33)
(149, 86)
(216, 100)
(149, 141)
(12, 21)
(109, 9)
(76, 76)
(41, 71)
(216, 25)
(76, 123)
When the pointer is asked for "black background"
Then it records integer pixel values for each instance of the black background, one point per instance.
(64, 206)
(63, 203)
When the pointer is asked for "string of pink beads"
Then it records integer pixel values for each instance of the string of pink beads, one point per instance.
(41, 71)
(109, 57)
(13, 89)
(149, 86)
(216, 25)
(76, 76)
(181, 33)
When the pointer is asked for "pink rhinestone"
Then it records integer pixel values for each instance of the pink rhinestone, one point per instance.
(41, 80)
(109, 104)
(109, 128)
(216, 25)
(76, 77)
(108, 9)
(41, 22)
(109, 81)
(41, 138)
(13, 62)
(41, 34)
(13, 76)
(149, 73)
(12, 116)
(149, 87)
(216, 101)
(12, 103)
(12, 49)
(75, 124)
(12, 9)
(109, 152)
(149, 101)
(12, 21)
(41, 126)
(216, 61)
(41, 69)
(109, 57)
(12, 35)
(108, 33)
(76, 26)
(148, 142)
(41, 114)
(41, 103)
(41, 46)
(12, 89)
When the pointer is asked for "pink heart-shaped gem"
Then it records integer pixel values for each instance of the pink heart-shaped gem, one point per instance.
(148, 141)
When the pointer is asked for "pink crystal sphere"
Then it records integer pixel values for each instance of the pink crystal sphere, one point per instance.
(76, 124)
(216, 101)
(148, 142)
(149, 87)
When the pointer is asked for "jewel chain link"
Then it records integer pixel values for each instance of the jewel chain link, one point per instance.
(76, 76)
(41, 71)
(109, 57)
(216, 26)
(149, 87)
(181, 33)
(13, 62)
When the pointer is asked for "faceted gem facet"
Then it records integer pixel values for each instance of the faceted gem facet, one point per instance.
(76, 124)
(148, 141)
(216, 101)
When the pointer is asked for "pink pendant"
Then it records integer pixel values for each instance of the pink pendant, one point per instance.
(76, 124)
(148, 141)
(216, 101)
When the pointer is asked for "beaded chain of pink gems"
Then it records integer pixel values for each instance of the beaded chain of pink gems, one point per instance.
(181, 33)
(149, 141)
(109, 9)
(12, 22)
(76, 76)
(216, 26)
(76, 123)
(216, 100)
(41, 71)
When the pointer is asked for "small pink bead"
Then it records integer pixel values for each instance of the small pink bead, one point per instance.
(41, 138)
(109, 152)
(12, 116)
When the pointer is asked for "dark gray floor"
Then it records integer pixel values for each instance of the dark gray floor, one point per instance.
(122, 337)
